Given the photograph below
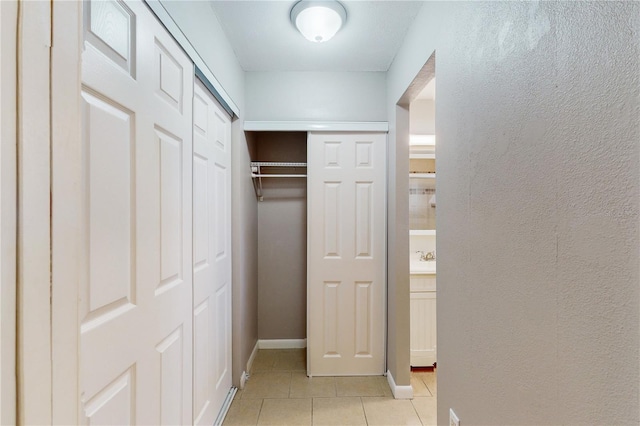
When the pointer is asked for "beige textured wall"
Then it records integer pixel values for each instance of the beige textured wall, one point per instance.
(537, 123)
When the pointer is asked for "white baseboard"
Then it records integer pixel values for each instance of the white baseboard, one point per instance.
(399, 392)
(282, 343)
(252, 357)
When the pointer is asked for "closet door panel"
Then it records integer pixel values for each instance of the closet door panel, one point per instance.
(136, 295)
(212, 258)
(346, 176)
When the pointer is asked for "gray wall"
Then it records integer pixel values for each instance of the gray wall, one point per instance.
(282, 241)
(538, 180)
(319, 96)
(198, 22)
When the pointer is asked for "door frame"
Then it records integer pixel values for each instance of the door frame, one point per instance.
(33, 290)
(398, 277)
(8, 209)
(66, 178)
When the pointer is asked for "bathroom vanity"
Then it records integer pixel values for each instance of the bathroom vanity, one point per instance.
(423, 299)
(423, 319)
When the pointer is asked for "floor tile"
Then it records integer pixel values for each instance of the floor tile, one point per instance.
(419, 387)
(243, 412)
(267, 384)
(285, 412)
(305, 387)
(264, 361)
(291, 360)
(338, 411)
(389, 411)
(362, 386)
(427, 408)
(430, 379)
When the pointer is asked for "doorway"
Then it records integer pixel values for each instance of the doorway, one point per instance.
(415, 234)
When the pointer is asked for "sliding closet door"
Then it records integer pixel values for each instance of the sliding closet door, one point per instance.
(211, 256)
(136, 292)
(346, 176)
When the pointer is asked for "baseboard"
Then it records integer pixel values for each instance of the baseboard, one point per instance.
(252, 357)
(399, 392)
(282, 343)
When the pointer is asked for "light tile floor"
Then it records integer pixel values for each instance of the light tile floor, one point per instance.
(278, 392)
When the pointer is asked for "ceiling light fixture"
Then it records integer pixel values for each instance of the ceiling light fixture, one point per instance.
(422, 140)
(318, 20)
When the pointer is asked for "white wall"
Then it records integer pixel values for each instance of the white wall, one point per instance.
(422, 117)
(200, 25)
(538, 194)
(316, 96)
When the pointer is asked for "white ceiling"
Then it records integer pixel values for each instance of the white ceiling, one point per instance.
(264, 39)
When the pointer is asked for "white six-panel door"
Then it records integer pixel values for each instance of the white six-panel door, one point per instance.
(136, 293)
(346, 176)
(211, 256)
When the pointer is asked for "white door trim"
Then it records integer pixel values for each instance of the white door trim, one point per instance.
(34, 225)
(8, 232)
(316, 126)
(66, 176)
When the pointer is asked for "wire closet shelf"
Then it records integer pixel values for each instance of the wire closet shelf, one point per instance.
(273, 169)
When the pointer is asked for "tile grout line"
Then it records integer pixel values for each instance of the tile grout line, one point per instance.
(416, 411)
(259, 412)
(364, 411)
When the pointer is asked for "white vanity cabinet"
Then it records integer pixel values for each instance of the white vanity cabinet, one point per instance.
(423, 320)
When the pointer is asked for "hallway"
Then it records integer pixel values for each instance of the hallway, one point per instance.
(279, 392)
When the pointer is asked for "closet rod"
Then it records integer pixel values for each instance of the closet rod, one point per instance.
(257, 168)
(273, 175)
(276, 164)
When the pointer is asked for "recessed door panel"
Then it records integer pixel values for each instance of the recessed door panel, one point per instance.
(171, 404)
(110, 27)
(364, 219)
(332, 219)
(202, 358)
(110, 137)
(169, 76)
(200, 211)
(330, 318)
(171, 206)
(364, 294)
(114, 405)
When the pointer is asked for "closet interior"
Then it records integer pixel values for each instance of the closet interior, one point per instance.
(278, 170)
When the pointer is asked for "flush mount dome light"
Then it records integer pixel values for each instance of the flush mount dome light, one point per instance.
(319, 20)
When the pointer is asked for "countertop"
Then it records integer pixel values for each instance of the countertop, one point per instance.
(422, 268)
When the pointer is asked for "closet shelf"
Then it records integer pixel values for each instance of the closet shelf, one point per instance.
(269, 169)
